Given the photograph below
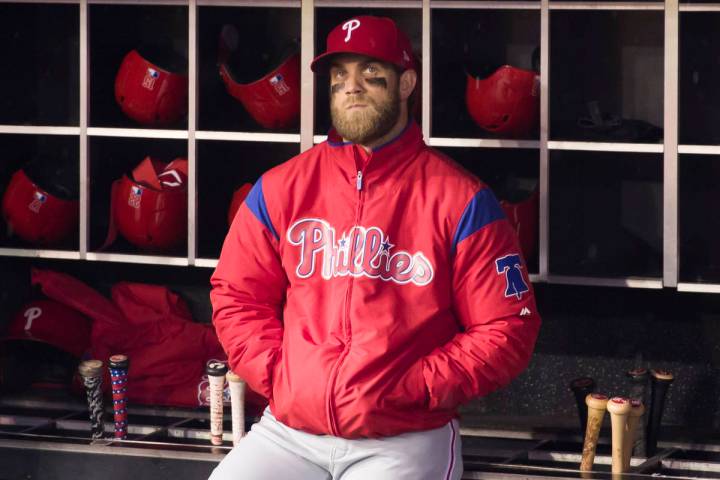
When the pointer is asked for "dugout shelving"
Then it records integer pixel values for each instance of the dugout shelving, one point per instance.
(87, 36)
(217, 110)
(158, 32)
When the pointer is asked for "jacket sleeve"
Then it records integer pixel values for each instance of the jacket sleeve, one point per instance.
(248, 291)
(494, 304)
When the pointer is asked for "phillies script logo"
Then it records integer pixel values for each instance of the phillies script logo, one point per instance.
(359, 252)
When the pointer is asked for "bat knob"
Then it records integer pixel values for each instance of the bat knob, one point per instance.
(216, 369)
(91, 368)
(596, 401)
(619, 406)
(662, 375)
(233, 377)
(118, 362)
(637, 408)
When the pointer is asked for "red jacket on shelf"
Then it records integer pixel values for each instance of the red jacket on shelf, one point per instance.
(154, 328)
(368, 295)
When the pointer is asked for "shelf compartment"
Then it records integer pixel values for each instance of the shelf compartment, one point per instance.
(605, 214)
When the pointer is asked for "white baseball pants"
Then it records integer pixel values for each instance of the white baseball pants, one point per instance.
(274, 451)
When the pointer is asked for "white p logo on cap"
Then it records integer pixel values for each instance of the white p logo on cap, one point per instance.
(350, 25)
(31, 314)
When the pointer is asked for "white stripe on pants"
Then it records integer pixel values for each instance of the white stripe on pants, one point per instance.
(274, 451)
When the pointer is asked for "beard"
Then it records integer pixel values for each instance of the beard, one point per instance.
(368, 124)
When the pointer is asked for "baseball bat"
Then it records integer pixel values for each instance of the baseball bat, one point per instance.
(619, 408)
(581, 387)
(596, 404)
(660, 381)
(638, 386)
(118, 366)
(637, 409)
(91, 372)
(237, 406)
(216, 376)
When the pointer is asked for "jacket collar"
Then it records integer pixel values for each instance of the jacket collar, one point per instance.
(382, 159)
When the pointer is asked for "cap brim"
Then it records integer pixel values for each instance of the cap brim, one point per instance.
(320, 64)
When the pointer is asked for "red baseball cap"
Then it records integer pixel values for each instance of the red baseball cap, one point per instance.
(376, 37)
(51, 322)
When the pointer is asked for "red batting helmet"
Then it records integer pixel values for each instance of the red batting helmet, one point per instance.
(237, 200)
(273, 100)
(507, 102)
(36, 215)
(148, 216)
(149, 94)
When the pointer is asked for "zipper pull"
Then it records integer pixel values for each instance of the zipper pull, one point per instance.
(358, 183)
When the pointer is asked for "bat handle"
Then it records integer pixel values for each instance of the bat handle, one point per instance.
(91, 373)
(619, 408)
(118, 366)
(581, 387)
(216, 376)
(638, 387)
(633, 421)
(237, 398)
(596, 403)
(660, 382)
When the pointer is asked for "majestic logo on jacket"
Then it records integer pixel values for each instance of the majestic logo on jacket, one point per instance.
(510, 265)
(359, 252)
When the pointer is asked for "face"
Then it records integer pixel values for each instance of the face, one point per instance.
(364, 98)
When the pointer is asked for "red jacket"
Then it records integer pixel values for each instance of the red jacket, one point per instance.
(368, 295)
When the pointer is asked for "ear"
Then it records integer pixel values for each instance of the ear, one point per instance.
(408, 80)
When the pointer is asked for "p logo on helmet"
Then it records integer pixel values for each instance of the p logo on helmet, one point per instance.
(350, 25)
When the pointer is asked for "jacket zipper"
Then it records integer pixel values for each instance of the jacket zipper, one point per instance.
(346, 320)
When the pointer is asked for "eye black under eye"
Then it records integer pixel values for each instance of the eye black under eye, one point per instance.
(378, 81)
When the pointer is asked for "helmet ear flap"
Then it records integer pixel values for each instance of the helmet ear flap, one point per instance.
(148, 93)
(272, 98)
(151, 213)
(506, 103)
(36, 215)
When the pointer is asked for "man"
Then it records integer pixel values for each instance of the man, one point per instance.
(367, 287)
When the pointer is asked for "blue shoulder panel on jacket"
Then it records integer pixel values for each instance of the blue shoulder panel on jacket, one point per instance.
(256, 203)
(482, 209)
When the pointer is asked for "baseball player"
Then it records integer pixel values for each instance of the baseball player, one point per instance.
(368, 287)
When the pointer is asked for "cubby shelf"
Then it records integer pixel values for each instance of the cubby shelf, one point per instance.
(204, 144)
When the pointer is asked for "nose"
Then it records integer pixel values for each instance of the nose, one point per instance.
(353, 83)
